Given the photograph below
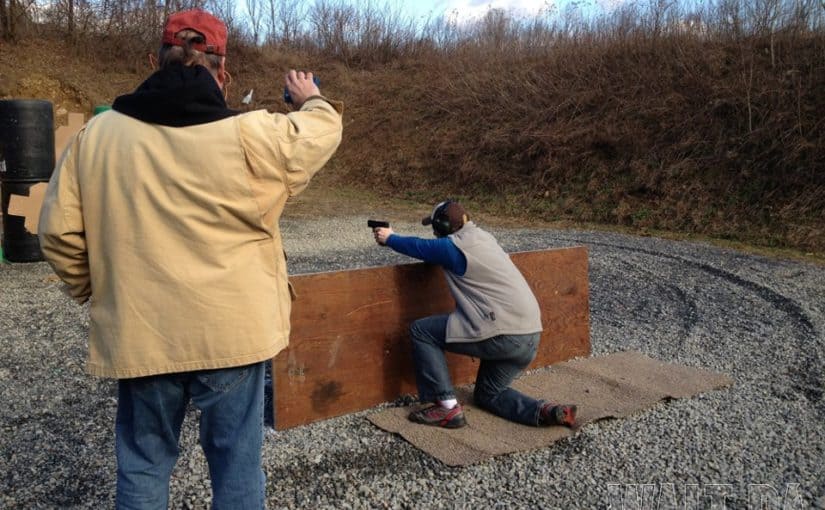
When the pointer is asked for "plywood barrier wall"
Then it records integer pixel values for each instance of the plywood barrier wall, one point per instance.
(350, 349)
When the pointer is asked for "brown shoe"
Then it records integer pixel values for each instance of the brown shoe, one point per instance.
(557, 414)
(438, 416)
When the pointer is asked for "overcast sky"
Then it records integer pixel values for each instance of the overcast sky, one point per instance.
(473, 8)
(469, 9)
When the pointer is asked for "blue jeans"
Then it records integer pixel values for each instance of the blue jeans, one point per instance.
(502, 357)
(150, 413)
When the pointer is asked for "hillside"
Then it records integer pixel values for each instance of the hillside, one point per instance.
(677, 134)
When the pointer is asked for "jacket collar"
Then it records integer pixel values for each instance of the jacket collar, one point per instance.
(176, 96)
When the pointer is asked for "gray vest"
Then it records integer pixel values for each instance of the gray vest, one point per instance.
(492, 298)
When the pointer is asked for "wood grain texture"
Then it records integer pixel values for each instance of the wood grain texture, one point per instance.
(349, 346)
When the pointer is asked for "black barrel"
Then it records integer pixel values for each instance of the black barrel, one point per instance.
(26, 158)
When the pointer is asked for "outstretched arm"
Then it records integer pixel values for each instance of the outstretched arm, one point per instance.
(441, 251)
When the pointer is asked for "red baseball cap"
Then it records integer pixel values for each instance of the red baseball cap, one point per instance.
(211, 28)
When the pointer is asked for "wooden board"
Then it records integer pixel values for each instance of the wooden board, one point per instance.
(349, 346)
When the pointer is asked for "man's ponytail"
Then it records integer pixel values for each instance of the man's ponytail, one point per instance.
(186, 54)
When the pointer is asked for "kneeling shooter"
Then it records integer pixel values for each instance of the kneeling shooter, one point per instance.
(496, 319)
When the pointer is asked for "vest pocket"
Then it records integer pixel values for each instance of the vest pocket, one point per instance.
(483, 309)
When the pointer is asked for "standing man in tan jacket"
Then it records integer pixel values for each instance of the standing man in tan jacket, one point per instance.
(163, 213)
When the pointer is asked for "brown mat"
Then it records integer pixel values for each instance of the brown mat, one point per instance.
(611, 386)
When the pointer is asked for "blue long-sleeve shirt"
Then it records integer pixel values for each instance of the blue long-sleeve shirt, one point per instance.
(441, 251)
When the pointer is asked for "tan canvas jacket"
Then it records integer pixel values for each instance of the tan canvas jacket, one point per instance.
(172, 233)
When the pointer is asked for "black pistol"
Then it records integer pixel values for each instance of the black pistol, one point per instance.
(378, 224)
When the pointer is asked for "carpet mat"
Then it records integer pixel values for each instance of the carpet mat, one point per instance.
(611, 386)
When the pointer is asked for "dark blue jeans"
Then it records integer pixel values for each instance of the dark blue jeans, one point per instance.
(150, 413)
(502, 357)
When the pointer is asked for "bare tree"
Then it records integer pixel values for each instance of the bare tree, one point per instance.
(494, 29)
(272, 21)
(765, 14)
(5, 30)
(13, 15)
(285, 17)
(70, 18)
(223, 9)
(8, 18)
(335, 25)
(253, 11)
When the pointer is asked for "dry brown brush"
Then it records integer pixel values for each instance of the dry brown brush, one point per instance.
(705, 118)
(700, 130)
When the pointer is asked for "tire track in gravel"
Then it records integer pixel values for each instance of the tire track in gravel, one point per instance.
(689, 313)
(807, 379)
(691, 316)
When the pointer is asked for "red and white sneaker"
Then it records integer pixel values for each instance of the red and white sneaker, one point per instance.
(439, 416)
(557, 414)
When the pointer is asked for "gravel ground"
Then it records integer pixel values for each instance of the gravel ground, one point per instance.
(759, 320)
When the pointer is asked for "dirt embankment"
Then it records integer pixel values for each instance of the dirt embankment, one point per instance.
(679, 134)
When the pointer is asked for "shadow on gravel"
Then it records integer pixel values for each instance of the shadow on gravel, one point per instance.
(340, 473)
